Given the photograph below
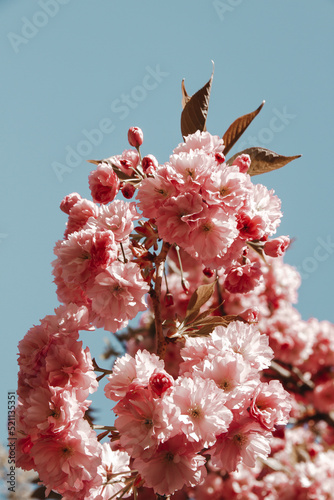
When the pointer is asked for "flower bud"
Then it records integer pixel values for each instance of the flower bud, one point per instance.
(251, 315)
(168, 300)
(276, 247)
(220, 158)
(149, 164)
(208, 272)
(128, 190)
(135, 137)
(159, 382)
(69, 201)
(243, 162)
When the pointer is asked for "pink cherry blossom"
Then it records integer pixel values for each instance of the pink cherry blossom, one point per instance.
(270, 405)
(243, 339)
(201, 141)
(79, 215)
(140, 422)
(227, 186)
(175, 463)
(103, 183)
(68, 461)
(114, 470)
(69, 201)
(67, 363)
(84, 253)
(149, 164)
(203, 413)
(52, 409)
(243, 278)
(243, 443)
(127, 162)
(117, 217)
(117, 295)
(276, 247)
(243, 162)
(132, 372)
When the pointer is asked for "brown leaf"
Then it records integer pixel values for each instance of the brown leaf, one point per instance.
(185, 96)
(195, 112)
(200, 296)
(202, 332)
(226, 320)
(238, 127)
(211, 320)
(263, 160)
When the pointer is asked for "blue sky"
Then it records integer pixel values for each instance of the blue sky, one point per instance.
(70, 68)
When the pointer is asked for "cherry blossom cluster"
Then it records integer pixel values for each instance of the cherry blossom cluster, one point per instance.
(211, 209)
(91, 266)
(298, 468)
(220, 358)
(55, 378)
(218, 406)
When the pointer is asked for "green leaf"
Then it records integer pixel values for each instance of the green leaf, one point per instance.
(263, 160)
(238, 127)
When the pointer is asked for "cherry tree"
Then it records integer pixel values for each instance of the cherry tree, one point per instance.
(220, 362)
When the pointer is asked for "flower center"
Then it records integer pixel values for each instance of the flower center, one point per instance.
(240, 440)
(148, 423)
(224, 191)
(195, 412)
(226, 385)
(66, 451)
(169, 457)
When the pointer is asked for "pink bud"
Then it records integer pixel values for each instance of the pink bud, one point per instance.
(208, 272)
(69, 201)
(251, 315)
(159, 382)
(128, 190)
(276, 247)
(243, 162)
(135, 136)
(220, 158)
(149, 164)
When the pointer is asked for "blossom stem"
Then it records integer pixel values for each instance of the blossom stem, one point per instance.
(156, 299)
(125, 259)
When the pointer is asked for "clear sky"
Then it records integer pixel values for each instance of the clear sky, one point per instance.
(73, 66)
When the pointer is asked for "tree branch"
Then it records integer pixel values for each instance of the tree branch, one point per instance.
(156, 299)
